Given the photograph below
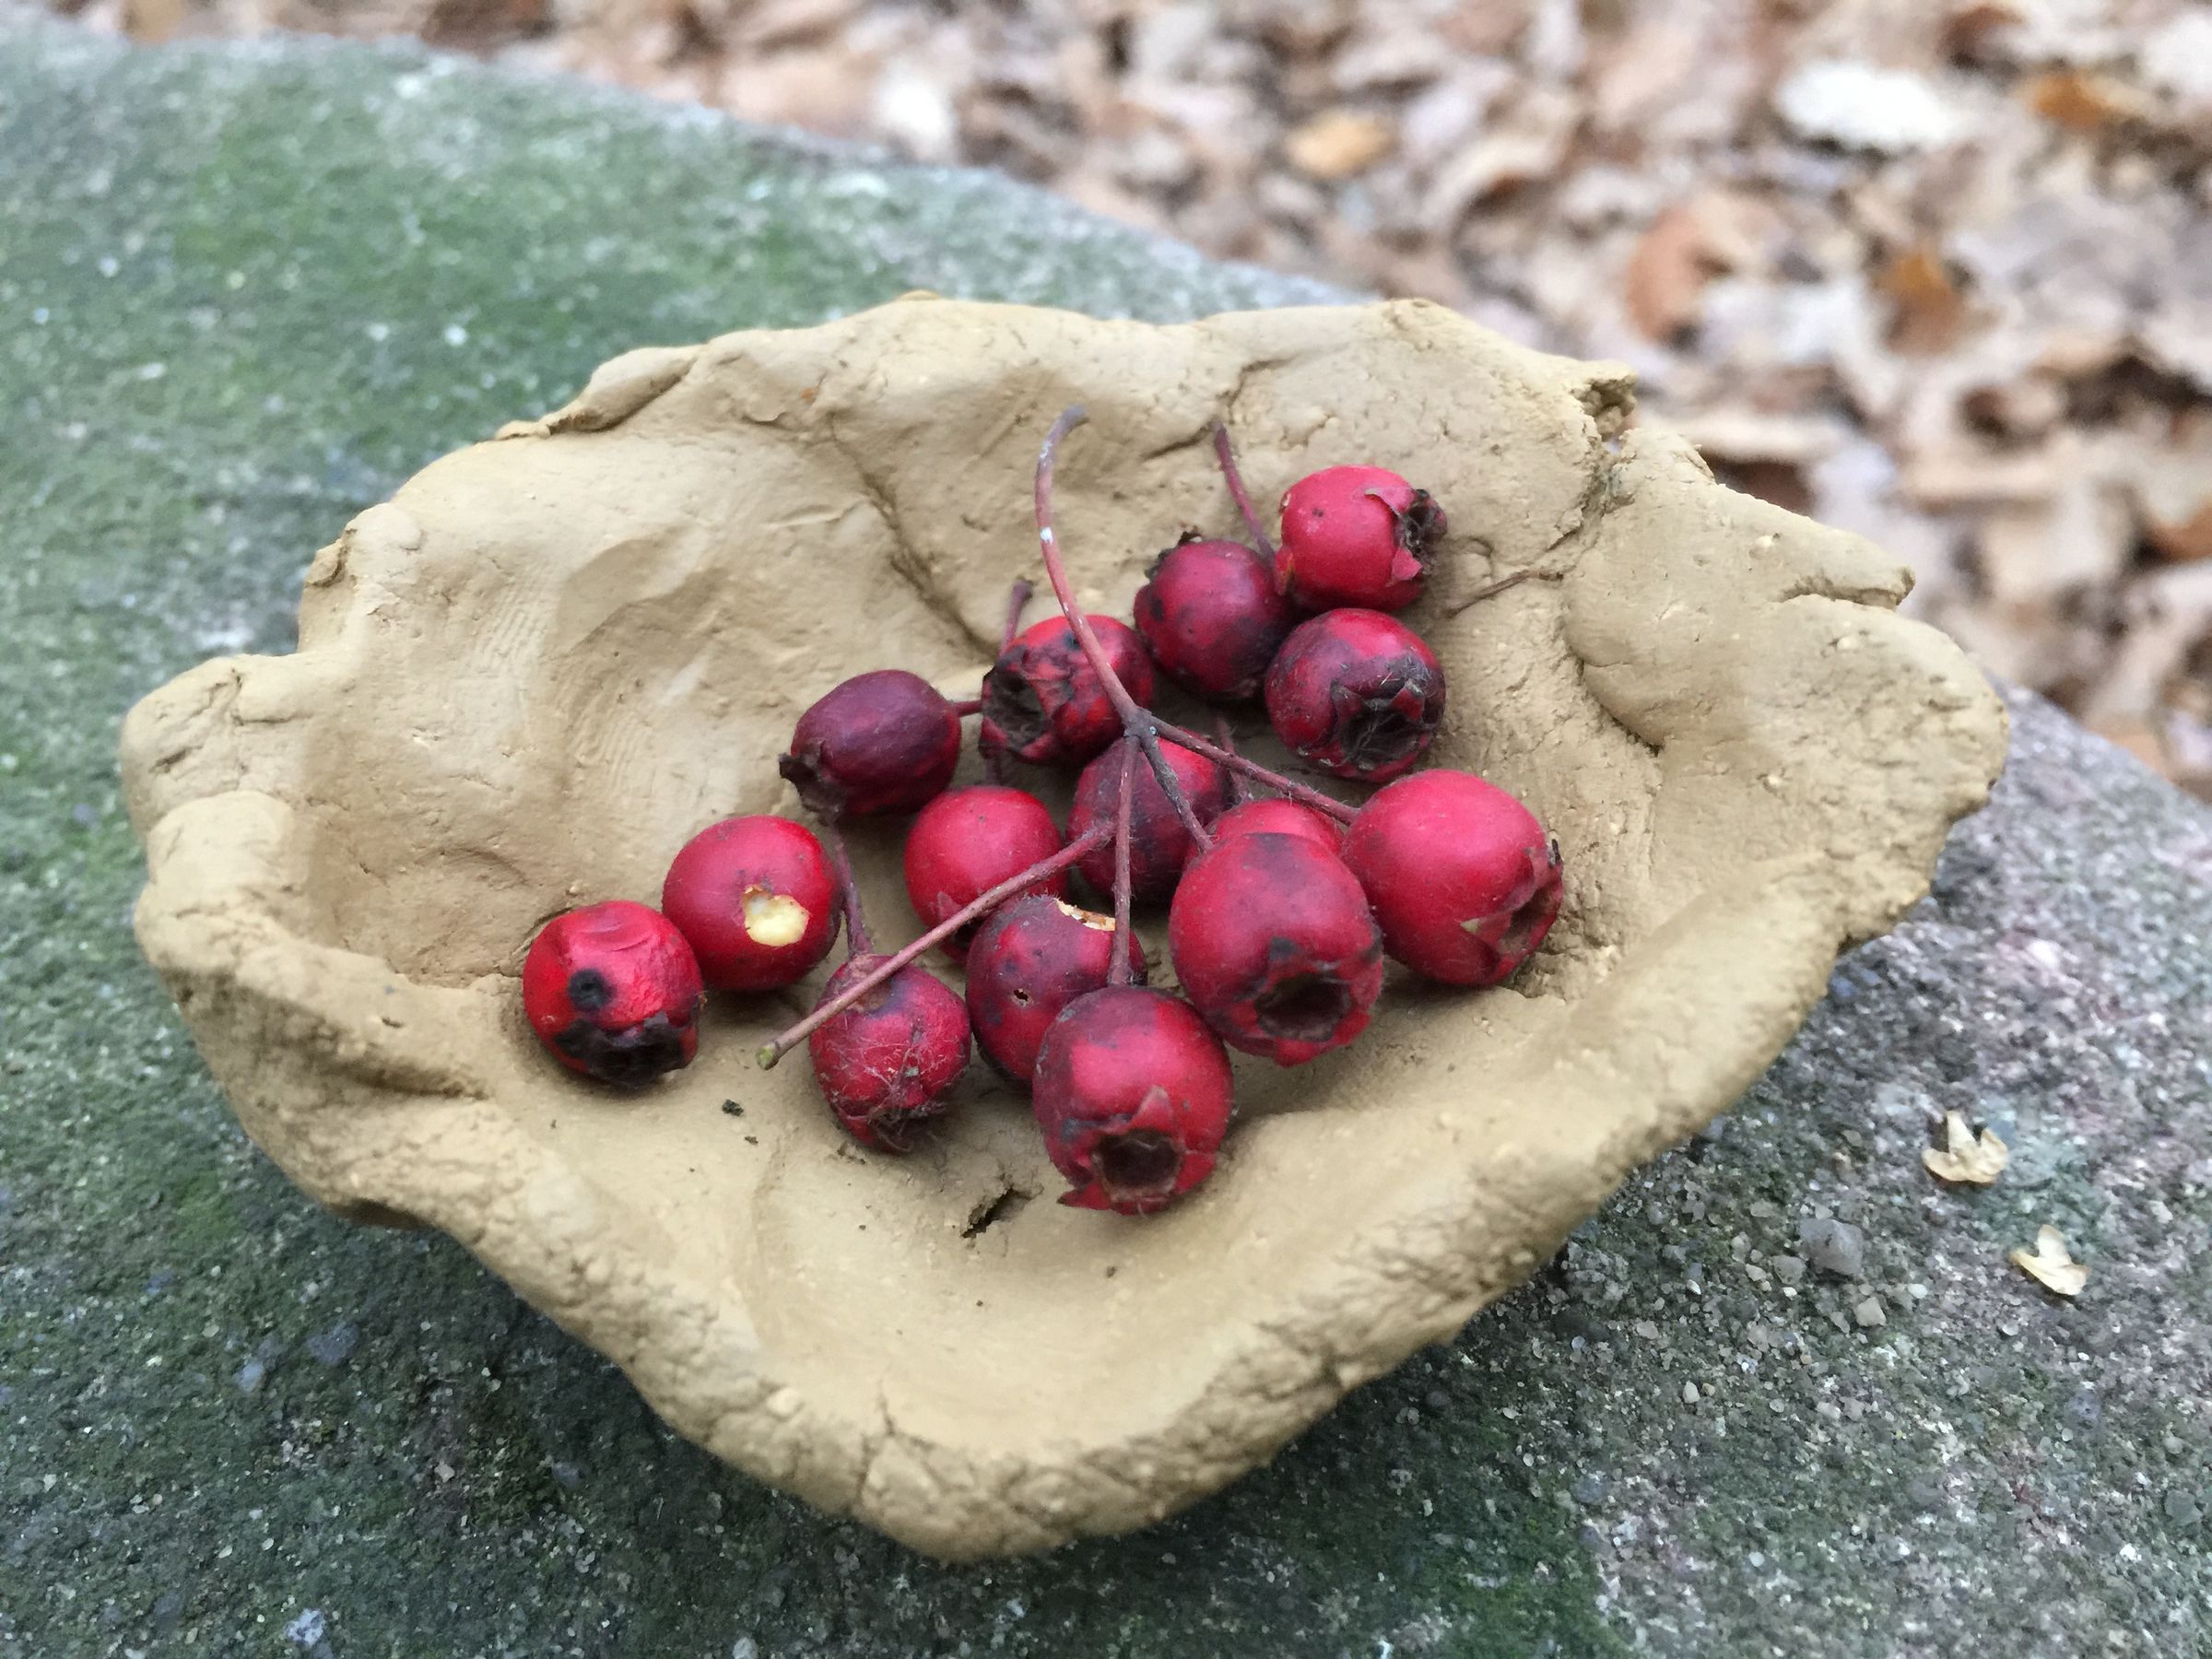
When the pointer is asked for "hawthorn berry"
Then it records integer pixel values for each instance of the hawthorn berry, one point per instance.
(1212, 618)
(1271, 815)
(1132, 1090)
(1358, 535)
(1273, 944)
(1460, 876)
(1044, 702)
(883, 1065)
(1356, 693)
(612, 991)
(757, 900)
(1160, 843)
(1031, 958)
(879, 743)
(967, 841)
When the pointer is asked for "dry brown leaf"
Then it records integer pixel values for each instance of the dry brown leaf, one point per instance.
(1664, 287)
(2050, 1264)
(1969, 32)
(151, 21)
(1974, 1159)
(2174, 490)
(2082, 101)
(1689, 245)
(1339, 143)
(1929, 310)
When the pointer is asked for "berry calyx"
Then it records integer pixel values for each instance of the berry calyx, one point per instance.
(1273, 944)
(1132, 1090)
(885, 1063)
(966, 843)
(879, 743)
(1031, 958)
(612, 991)
(1462, 879)
(1044, 702)
(1210, 614)
(1269, 816)
(756, 899)
(1160, 843)
(1356, 693)
(1359, 535)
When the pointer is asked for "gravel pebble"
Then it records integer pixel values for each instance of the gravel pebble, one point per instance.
(1833, 1246)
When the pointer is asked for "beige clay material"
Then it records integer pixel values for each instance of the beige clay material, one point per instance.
(522, 683)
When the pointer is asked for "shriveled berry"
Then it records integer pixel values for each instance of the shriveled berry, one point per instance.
(1212, 618)
(1356, 536)
(1356, 693)
(885, 1064)
(1158, 845)
(879, 743)
(1271, 815)
(1133, 1093)
(967, 841)
(757, 900)
(1462, 879)
(1273, 944)
(1031, 958)
(613, 990)
(1043, 700)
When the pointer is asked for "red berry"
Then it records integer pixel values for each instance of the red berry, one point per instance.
(1158, 845)
(969, 840)
(1132, 1094)
(1356, 693)
(1271, 815)
(885, 1064)
(613, 990)
(756, 898)
(1462, 876)
(1273, 944)
(1356, 536)
(1212, 618)
(1032, 957)
(878, 742)
(1044, 702)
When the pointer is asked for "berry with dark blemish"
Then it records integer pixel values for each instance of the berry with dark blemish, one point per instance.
(1044, 702)
(885, 1064)
(1031, 958)
(612, 991)
(875, 744)
(1358, 535)
(969, 840)
(1356, 693)
(1160, 843)
(1132, 1092)
(1212, 618)
(1462, 879)
(1272, 943)
(757, 900)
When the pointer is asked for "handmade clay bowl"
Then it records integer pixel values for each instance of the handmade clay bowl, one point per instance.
(524, 682)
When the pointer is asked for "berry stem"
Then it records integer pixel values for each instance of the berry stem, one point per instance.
(1121, 965)
(1303, 793)
(1499, 587)
(1018, 601)
(1240, 788)
(848, 893)
(1226, 455)
(1136, 721)
(772, 1052)
(967, 706)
